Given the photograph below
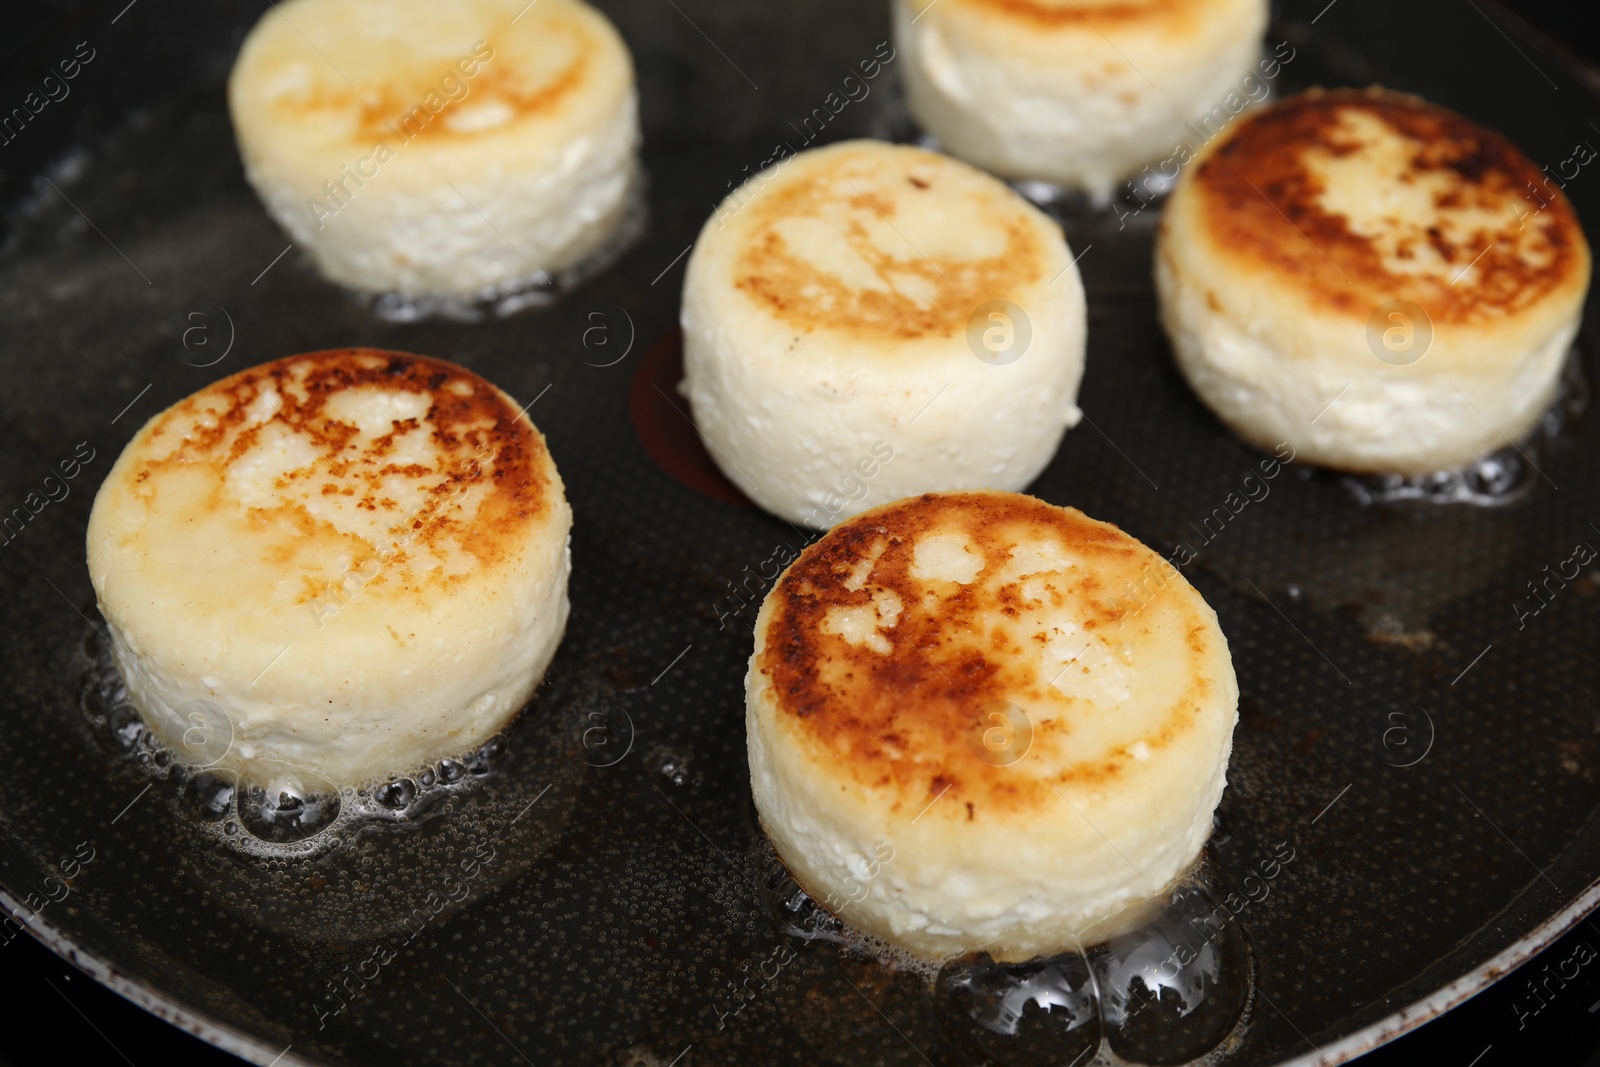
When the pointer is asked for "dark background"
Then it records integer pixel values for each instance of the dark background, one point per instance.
(50, 1005)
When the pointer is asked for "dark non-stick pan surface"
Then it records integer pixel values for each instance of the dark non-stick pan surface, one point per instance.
(597, 891)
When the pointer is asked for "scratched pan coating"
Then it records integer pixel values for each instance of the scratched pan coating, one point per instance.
(602, 919)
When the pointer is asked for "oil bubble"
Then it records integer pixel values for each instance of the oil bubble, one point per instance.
(1037, 1013)
(208, 797)
(287, 804)
(674, 766)
(127, 729)
(482, 763)
(1175, 988)
(397, 794)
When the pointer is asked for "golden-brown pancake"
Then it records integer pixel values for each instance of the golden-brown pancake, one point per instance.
(1029, 709)
(1381, 283)
(356, 559)
(438, 149)
(868, 320)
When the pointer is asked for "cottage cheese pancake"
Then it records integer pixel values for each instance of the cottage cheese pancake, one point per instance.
(438, 149)
(979, 721)
(867, 320)
(1078, 92)
(358, 556)
(1378, 281)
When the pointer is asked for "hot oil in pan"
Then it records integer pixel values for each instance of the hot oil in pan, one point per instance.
(287, 812)
(361, 867)
(1177, 990)
(322, 863)
(1502, 477)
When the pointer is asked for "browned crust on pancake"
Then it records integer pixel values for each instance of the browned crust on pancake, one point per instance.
(1258, 202)
(382, 116)
(1167, 15)
(477, 431)
(383, 113)
(939, 683)
(807, 299)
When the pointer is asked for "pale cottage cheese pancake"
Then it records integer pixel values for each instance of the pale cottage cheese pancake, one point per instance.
(1080, 93)
(977, 721)
(429, 149)
(1380, 282)
(866, 321)
(357, 557)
